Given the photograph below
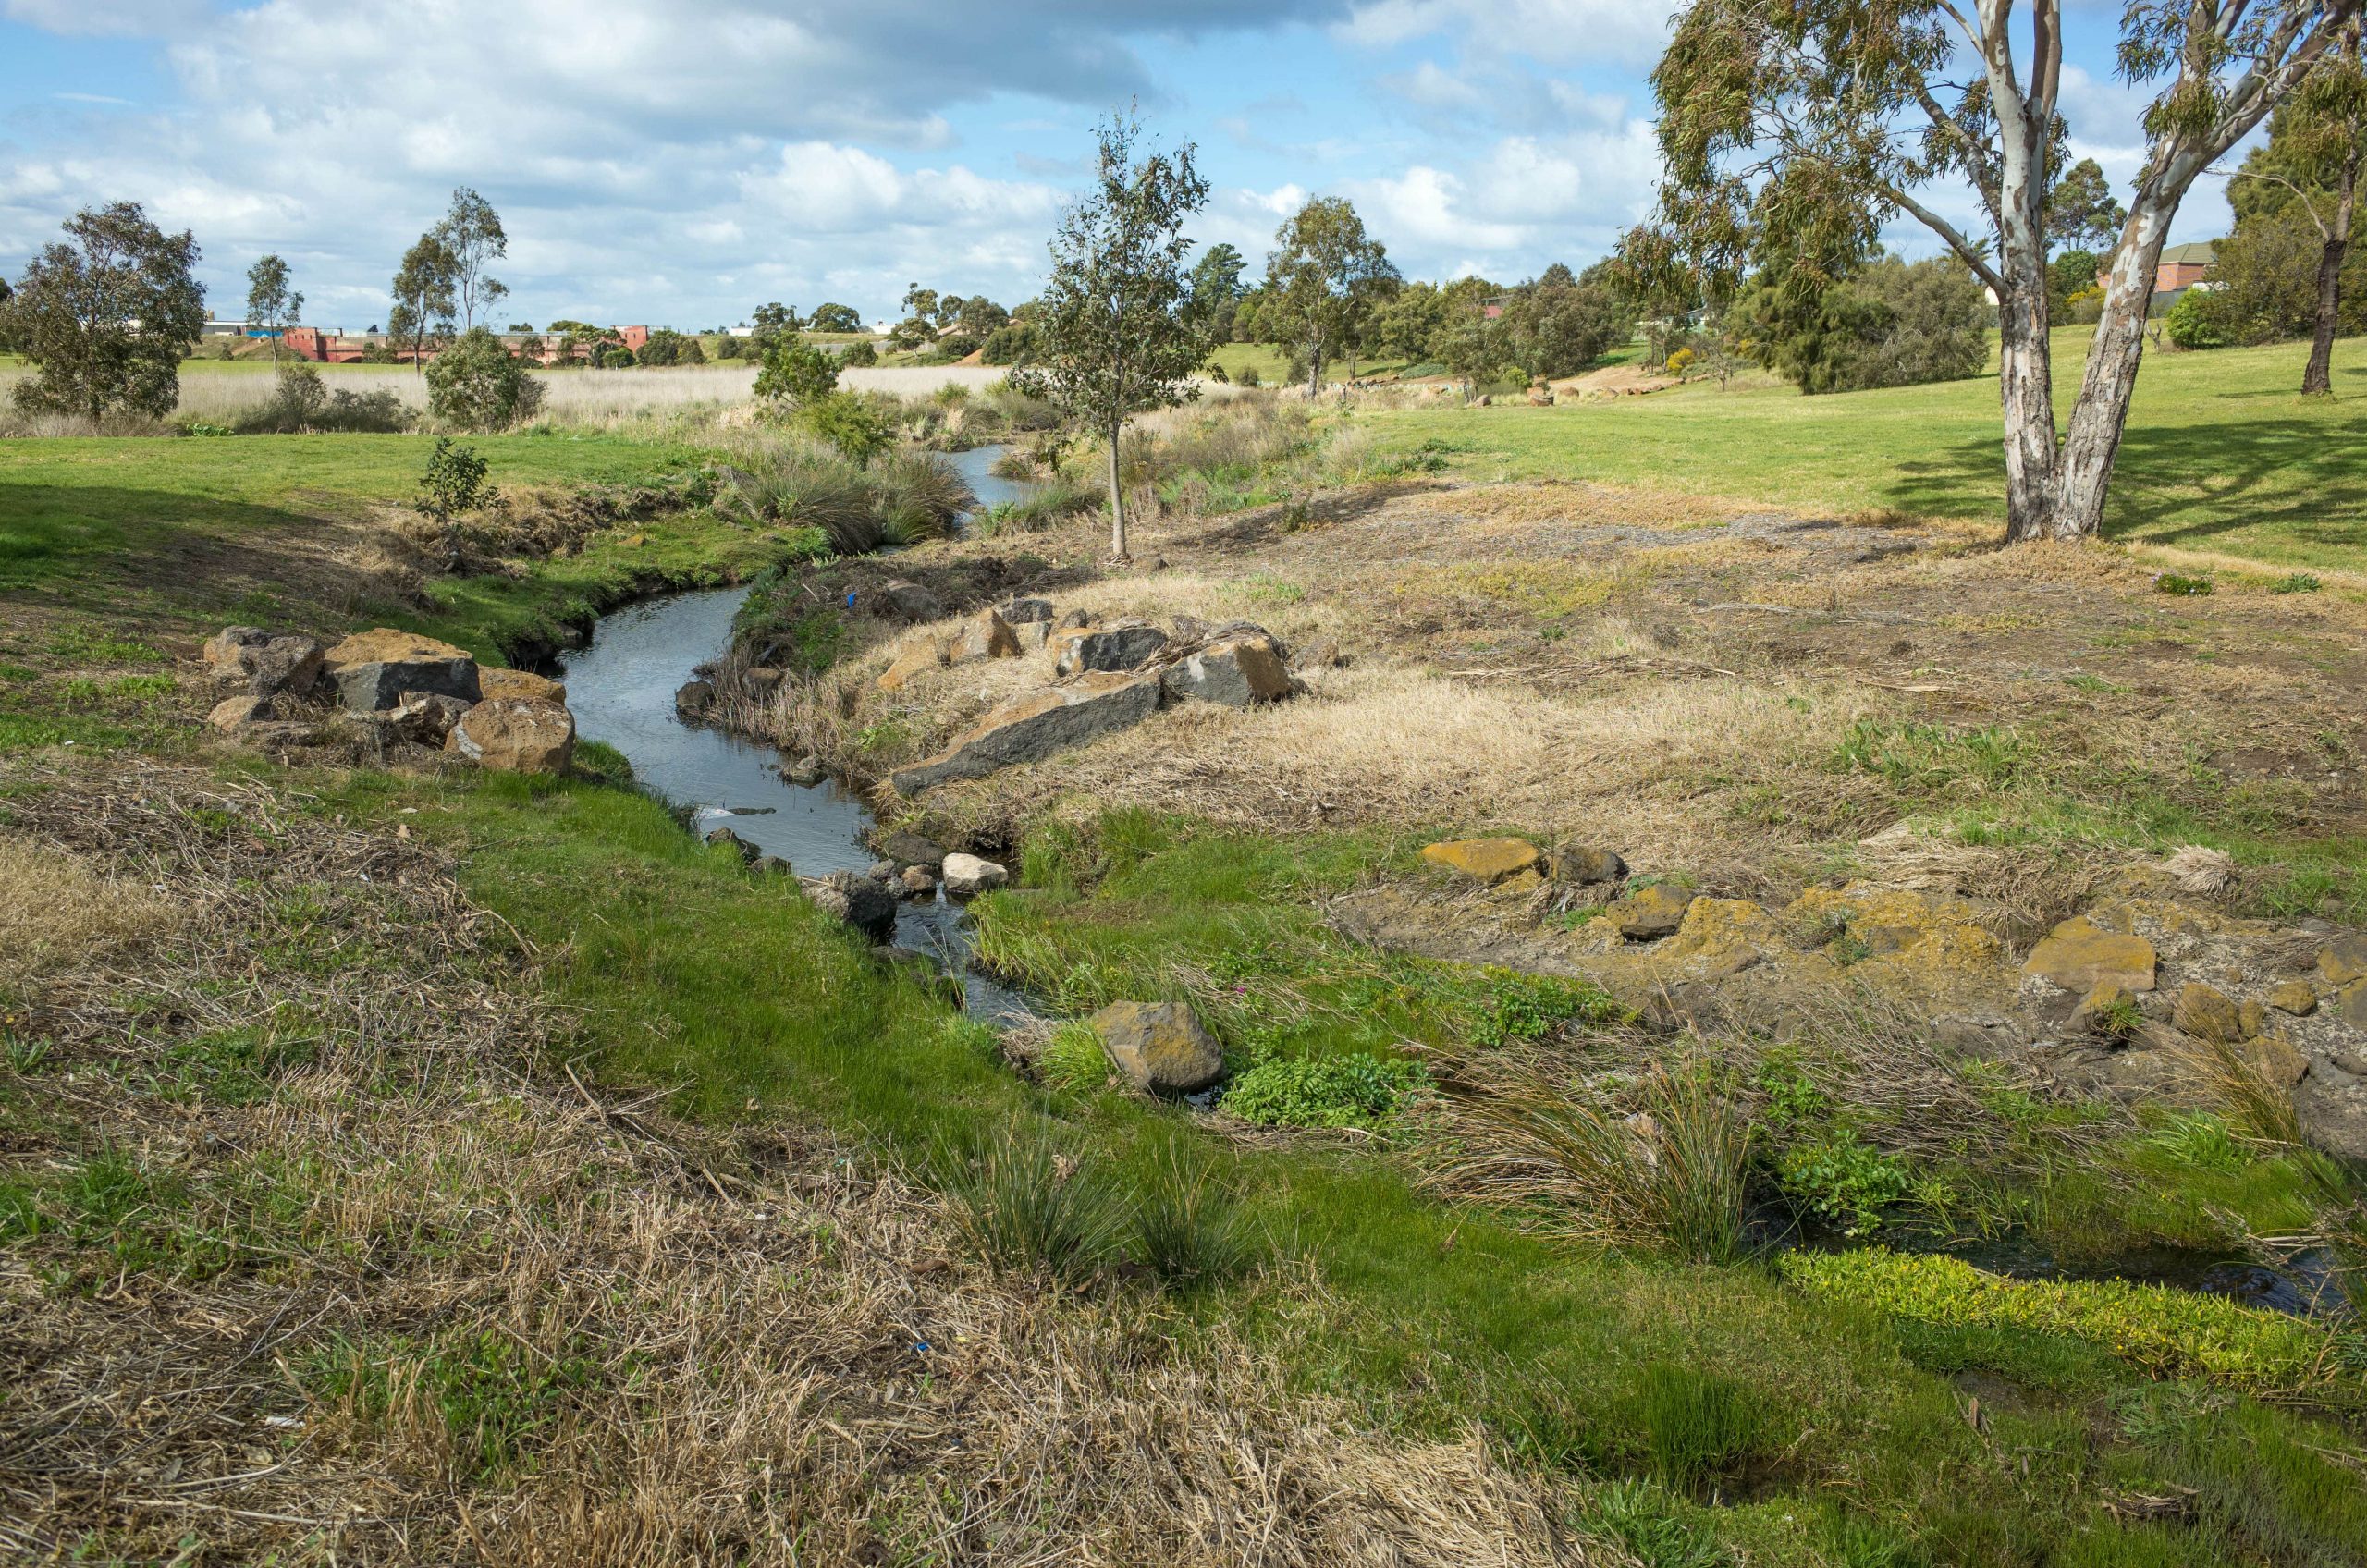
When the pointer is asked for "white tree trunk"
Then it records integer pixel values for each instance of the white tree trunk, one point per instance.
(2026, 362)
(2098, 419)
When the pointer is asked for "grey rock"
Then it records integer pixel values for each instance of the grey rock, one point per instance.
(1077, 618)
(881, 871)
(426, 718)
(1236, 672)
(907, 848)
(1020, 611)
(918, 881)
(967, 876)
(862, 903)
(372, 669)
(773, 865)
(726, 838)
(693, 698)
(1037, 725)
(806, 772)
(907, 601)
(1111, 648)
(1586, 866)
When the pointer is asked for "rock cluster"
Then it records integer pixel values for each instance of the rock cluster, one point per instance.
(1106, 676)
(412, 689)
(2134, 995)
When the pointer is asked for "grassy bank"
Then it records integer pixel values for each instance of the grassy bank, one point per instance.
(1684, 1414)
(2222, 456)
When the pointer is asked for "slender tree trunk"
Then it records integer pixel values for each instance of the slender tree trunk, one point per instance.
(1117, 496)
(2318, 378)
(2102, 413)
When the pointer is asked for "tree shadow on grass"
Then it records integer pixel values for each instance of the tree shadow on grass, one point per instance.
(2292, 489)
(85, 545)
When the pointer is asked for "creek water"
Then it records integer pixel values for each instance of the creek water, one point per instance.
(621, 687)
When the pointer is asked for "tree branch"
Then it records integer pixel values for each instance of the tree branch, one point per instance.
(1964, 247)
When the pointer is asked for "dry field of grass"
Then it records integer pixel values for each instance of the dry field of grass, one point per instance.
(1728, 694)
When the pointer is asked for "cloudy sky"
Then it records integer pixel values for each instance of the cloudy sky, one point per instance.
(680, 163)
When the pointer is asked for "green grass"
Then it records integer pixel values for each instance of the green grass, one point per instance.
(2222, 454)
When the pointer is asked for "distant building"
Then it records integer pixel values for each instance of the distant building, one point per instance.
(2184, 265)
(335, 346)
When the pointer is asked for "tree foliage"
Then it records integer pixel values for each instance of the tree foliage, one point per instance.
(1791, 131)
(107, 316)
(796, 372)
(1891, 323)
(1115, 329)
(476, 383)
(2081, 212)
(271, 304)
(473, 241)
(423, 293)
(1324, 281)
(1559, 328)
(833, 317)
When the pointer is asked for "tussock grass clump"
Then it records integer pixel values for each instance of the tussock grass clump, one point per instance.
(1185, 1228)
(1660, 1160)
(906, 499)
(1029, 1206)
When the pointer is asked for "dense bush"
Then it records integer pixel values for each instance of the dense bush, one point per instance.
(2196, 320)
(1892, 324)
(301, 401)
(454, 480)
(1012, 345)
(848, 422)
(478, 384)
(860, 354)
(1558, 329)
(796, 372)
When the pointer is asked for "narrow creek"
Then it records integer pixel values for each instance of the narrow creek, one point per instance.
(621, 687)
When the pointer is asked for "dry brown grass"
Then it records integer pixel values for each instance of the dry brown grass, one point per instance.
(56, 907)
(419, 1296)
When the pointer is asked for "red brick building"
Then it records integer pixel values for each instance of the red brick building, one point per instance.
(327, 347)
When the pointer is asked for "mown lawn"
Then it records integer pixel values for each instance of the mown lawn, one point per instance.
(2223, 455)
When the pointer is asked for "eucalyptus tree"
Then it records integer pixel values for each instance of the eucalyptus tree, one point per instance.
(2316, 150)
(472, 236)
(1793, 130)
(1118, 335)
(270, 301)
(1324, 281)
(423, 291)
(107, 316)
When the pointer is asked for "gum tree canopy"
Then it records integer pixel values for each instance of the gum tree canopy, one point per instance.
(1793, 130)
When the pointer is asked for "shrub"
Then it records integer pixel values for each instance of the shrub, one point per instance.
(1337, 1090)
(797, 372)
(454, 480)
(1892, 324)
(860, 354)
(1028, 1206)
(301, 402)
(1248, 377)
(846, 421)
(2167, 1333)
(2193, 322)
(478, 384)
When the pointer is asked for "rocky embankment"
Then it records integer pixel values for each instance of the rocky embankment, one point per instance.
(2146, 994)
(385, 691)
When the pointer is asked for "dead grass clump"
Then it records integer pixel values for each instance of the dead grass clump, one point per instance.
(330, 1261)
(56, 909)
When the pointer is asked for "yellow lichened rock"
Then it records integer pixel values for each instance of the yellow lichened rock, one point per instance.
(1488, 861)
(1649, 912)
(2079, 955)
(2205, 1012)
(1723, 936)
(921, 656)
(519, 685)
(2296, 997)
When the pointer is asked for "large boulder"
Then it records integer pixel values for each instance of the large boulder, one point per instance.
(904, 849)
(967, 876)
(1160, 1046)
(522, 685)
(1649, 913)
(511, 735)
(858, 900)
(372, 669)
(1038, 725)
(1236, 672)
(1020, 611)
(916, 660)
(264, 664)
(224, 650)
(1108, 648)
(1487, 861)
(984, 636)
(906, 601)
(426, 719)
